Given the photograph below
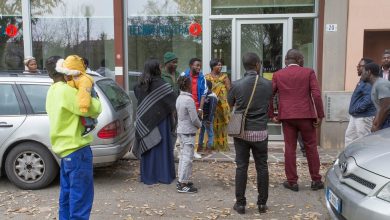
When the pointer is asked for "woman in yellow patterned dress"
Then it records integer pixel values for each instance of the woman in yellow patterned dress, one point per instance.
(221, 86)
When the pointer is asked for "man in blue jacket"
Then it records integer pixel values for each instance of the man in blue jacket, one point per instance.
(361, 108)
(198, 87)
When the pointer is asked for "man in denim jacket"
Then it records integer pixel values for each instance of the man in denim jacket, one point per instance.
(361, 108)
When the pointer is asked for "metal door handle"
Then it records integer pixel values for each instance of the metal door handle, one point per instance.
(5, 125)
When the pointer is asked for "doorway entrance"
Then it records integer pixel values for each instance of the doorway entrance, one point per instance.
(268, 39)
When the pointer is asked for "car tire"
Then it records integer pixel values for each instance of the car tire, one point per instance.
(30, 165)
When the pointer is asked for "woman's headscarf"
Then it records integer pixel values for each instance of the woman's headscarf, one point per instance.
(27, 60)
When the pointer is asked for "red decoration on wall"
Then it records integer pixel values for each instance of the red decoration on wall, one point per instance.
(195, 29)
(11, 30)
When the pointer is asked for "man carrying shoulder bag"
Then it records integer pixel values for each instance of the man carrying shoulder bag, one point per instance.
(251, 97)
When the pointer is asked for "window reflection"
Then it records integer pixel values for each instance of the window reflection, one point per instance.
(156, 27)
(303, 39)
(36, 95)
(8, 102)
(225, 7)
(267, 41)
(221, 43)
(11, 37)
(75, 27)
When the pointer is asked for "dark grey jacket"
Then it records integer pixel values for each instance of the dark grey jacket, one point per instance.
(239, 94)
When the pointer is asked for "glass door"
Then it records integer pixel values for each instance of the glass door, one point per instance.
(268, 39)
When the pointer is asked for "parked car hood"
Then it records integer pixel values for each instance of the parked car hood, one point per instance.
(372, 152)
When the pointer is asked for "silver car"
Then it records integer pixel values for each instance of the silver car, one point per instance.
(358, 184)
(25, 150)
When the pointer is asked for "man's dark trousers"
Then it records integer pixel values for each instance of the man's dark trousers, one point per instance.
(260, 155)
(309, 136)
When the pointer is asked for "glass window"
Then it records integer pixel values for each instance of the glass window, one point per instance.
(221, 44)
(80, 27)
(303, 39)
(11, 37)
(156, 27)
(9, 105)
(226, 7)
(117, 97)
(267, 41)
(36, 95)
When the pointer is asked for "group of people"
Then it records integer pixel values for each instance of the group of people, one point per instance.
(175, 105)
(172, 105)
(369, 108)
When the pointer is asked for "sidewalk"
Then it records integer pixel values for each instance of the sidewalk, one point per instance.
(275, 154)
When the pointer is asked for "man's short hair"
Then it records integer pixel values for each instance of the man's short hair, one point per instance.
(50, 64)
(373, 68)
(366, 60)
(250, 60)
(86, 62)
(386, 52)
(193, 60)
(293, 56)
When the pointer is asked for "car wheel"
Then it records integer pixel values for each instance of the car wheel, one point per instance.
(30, 165)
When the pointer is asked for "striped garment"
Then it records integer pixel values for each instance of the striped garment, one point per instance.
(153, 107)
(255, 136)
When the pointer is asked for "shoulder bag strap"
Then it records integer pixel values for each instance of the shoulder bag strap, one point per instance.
(250, 99)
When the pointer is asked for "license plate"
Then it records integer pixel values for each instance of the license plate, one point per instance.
(333, 200)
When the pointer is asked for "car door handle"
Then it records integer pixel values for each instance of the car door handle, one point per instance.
(5, 125)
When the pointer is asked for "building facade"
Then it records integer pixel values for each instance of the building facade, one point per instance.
(119, 35)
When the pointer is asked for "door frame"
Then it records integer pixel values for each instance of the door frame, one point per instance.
(236, 50)
(236, 39)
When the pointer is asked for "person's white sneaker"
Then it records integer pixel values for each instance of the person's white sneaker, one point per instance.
(197, 156)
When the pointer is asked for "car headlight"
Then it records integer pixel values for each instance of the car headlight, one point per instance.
(336, 162)
(385, 193)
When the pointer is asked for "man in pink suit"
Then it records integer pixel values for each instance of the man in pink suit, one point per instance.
(300, 110)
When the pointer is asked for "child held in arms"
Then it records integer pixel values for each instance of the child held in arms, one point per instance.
(75, 70)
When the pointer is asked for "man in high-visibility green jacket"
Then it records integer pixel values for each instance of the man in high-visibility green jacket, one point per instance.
(76, 175)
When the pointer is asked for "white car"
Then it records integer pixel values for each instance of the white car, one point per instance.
(25, 150)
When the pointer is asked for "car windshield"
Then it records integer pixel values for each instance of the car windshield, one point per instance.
(117, 97)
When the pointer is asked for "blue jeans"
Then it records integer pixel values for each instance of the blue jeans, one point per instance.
(208, 127)
(76, 182)
(386, 123)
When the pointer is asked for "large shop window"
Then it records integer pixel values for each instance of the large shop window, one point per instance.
(82, 27)
(156, 27)
(11, 37)
(231, 7)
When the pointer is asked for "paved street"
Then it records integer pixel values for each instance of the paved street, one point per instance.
(275, 154)
(119, 195)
